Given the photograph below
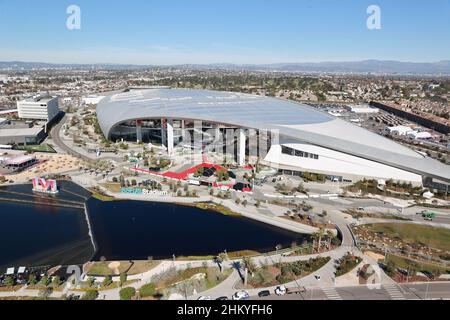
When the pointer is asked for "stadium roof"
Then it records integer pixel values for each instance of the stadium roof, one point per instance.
(294, 121)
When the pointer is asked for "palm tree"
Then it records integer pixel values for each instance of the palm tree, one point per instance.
(321, 234)
(314, 237)
(330, 236)
(249, 265)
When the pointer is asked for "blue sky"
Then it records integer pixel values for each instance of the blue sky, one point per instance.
(213, 31)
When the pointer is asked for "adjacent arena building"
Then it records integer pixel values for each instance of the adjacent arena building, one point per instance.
(289, 136)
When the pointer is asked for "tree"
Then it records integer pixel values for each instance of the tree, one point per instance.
(321, 234)
(107, 281)
(44, 281)
(32, 280)
(148, 290)
(249, 265)
(222, 175)
(123, 279)
(9, 281)
(127, 293)
(200, 171)
(90, 281)
(56, 282)
(91, 294)
(314, 237)
(330, 236)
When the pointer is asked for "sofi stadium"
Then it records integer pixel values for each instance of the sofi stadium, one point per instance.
(289, 136)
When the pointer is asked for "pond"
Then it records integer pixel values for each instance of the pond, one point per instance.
(37, 231)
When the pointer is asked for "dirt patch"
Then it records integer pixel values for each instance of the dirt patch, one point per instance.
(114, 266)
(375, 256)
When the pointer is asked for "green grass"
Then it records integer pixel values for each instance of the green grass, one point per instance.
(103, 198)
(359, 215)
(38, 148)
(437, 238)
(214, 207)
(211, 281)
(137, 267)
(405, 263)
(231, 255)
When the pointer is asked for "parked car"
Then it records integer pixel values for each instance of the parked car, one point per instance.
(298, 290)
(241, 295)
(428, 274)
(265, 293)
(281, 291)
(204, 298)
(222, 298)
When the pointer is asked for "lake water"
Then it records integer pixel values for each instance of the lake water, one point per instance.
(138, 230)
(40, 235)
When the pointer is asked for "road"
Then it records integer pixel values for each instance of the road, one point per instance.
(385, 292)
(56, 137)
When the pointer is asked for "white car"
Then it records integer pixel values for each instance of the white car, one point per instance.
(241, 295)
(281, 291)
(203, 298)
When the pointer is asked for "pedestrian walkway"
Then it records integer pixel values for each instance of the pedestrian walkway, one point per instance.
(332, 294)
(394, 292)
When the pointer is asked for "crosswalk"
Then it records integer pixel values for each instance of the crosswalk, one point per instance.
(394, 292)
(332, 294)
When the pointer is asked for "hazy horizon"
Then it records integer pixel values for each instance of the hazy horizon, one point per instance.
(178, 32)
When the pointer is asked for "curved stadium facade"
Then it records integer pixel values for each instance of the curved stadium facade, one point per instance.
(296, 137)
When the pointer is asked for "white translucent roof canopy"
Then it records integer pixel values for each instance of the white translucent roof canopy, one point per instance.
(293, 120)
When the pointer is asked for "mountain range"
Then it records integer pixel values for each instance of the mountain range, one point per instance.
(355, 67)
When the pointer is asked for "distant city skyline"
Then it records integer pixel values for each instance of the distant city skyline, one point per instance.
(239, 32)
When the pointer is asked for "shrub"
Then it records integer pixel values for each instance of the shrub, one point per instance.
(147, 290)
(90, 295)
(127, 293)
(9, 281)
(107, 281)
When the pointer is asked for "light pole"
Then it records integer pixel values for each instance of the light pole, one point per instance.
(428, 287)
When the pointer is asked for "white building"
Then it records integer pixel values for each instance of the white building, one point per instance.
(362, 109)
(420, 135)
(92, 100)
(400, 130)
(38, 108)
